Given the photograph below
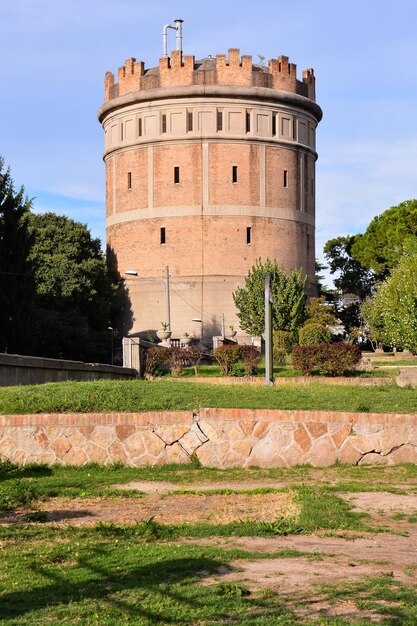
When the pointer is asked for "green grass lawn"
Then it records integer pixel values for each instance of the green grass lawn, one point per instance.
(91, 577)
(396, 362)
(141, 395)
(148, 573)
(283, 371)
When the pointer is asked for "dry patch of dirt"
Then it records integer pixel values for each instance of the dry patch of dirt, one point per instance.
(150, 486)
(168, 509)
(383, 501)
(333, 560)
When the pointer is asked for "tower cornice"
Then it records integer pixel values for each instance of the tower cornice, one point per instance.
(264, 94)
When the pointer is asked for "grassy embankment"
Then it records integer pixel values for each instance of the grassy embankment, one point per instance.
(162, 395)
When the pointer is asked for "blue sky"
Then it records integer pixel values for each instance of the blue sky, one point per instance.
(54, 56)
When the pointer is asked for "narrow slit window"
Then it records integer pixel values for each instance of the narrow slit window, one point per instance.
(312, 186)
(248, 121)
(308, 242)
(162, 236)
(294, 128)
(234, 173)
(121, 131)
(274, 124)
(248, 234)
(176, 175)
(285, 178)
(305, 173)
(140, 127)
(129, 180)
(164, 123)
(189, 121)
(219, 120)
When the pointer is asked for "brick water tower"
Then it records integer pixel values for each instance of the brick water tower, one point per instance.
(210, 164)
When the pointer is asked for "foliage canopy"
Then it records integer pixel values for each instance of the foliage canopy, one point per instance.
(76, 295)
(391, 315)
(387, 238)
(288, 297)
(57, 297)
(352, 276)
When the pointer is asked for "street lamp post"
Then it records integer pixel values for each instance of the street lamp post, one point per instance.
(112, 343)
(269, 367)
(163, 281)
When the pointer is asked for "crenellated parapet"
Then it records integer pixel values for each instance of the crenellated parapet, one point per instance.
(228, 70)
(234, 70)
(177, 70)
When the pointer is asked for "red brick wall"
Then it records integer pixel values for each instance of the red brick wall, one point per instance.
(222, 157)
(136, 162)
(188, 191)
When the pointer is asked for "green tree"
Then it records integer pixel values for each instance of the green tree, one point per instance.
(387, 238)
(319, 317)
(76, 294)
(288, 295)
(352, 277)
(16, 278)
(319, 312)
(391, 314)
(312, 333)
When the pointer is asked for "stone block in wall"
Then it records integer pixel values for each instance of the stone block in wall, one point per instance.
(393, 437)
(372, 458)
(265, 453)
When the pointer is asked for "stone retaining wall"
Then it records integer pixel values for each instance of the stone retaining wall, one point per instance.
(218, 437)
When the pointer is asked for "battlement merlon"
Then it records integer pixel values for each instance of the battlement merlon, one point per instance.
(229, 70)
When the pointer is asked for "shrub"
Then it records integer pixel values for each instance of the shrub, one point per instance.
(250, 357)
(284, 340)
(279, 356)
(176, 360)
(327, 359)
(226, 356)
(193, 355)
(157, 359)
(313, 333)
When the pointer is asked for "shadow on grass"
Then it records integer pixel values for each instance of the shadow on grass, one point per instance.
(150, 590)
(10, 471)
(57, 515)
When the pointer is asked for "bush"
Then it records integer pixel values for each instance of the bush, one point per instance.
(313, 333)
(279, 356)
(193, 354)
(157, 359)
(226, 356)
(284, 340)
(176, 360)
(250, 357)
(326, 359)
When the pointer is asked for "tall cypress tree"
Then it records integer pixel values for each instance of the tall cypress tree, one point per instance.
(16, 276)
